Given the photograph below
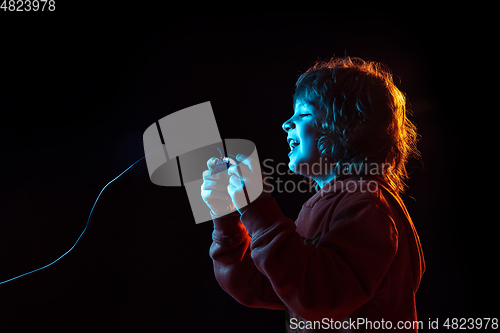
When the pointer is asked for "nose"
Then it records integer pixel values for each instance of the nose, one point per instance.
(288, 125)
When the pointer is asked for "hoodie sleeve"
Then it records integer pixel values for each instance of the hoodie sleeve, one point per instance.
(333, 279)
(234, 268)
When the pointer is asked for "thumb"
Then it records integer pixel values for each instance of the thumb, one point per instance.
(241, 157)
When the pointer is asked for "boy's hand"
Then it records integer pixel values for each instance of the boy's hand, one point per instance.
(246, 173)
(214, 190)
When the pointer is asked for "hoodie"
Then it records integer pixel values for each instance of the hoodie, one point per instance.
(352, 261)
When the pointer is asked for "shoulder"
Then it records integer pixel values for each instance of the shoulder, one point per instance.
(349, 190)
(352, 198)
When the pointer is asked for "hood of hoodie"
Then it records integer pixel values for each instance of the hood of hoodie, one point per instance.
(415, 248)
(416, 253)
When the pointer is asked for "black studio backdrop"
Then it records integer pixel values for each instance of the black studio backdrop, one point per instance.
(78, 86)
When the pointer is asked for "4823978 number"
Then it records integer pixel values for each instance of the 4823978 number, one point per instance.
(28, 5)
(471, 323)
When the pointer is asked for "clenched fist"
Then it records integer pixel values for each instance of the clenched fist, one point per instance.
(214, 190)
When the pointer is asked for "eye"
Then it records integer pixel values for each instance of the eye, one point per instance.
(304, 115)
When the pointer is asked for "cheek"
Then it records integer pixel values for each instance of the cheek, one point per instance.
(310, 151)
(310, 142)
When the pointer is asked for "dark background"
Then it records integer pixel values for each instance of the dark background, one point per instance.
(79, 86)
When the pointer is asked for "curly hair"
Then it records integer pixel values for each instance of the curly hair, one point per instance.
(366, 120)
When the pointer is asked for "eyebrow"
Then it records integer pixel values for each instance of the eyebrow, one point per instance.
(307, 104)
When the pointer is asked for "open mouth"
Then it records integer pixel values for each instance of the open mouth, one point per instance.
(293, 143)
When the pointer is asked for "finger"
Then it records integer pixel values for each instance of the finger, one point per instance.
(213, 185)
(210, 174)
(247, 161)
(235, 171)
(241, 157)
(212, 162)
(230, 190)
(213, 175)
(236, 182)
(210, 196)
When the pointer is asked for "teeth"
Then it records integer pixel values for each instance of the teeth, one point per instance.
(293, 143)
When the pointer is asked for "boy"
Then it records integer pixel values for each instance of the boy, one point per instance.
(352, 261)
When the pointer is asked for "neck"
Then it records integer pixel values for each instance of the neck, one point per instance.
(327, 173)
(324, 180)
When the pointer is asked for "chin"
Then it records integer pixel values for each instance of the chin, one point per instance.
(307, 166)
(296, 168)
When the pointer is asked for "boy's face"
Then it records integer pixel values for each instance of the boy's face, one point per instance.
(303, 138)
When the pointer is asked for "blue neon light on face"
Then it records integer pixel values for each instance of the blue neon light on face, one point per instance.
(303, 138)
